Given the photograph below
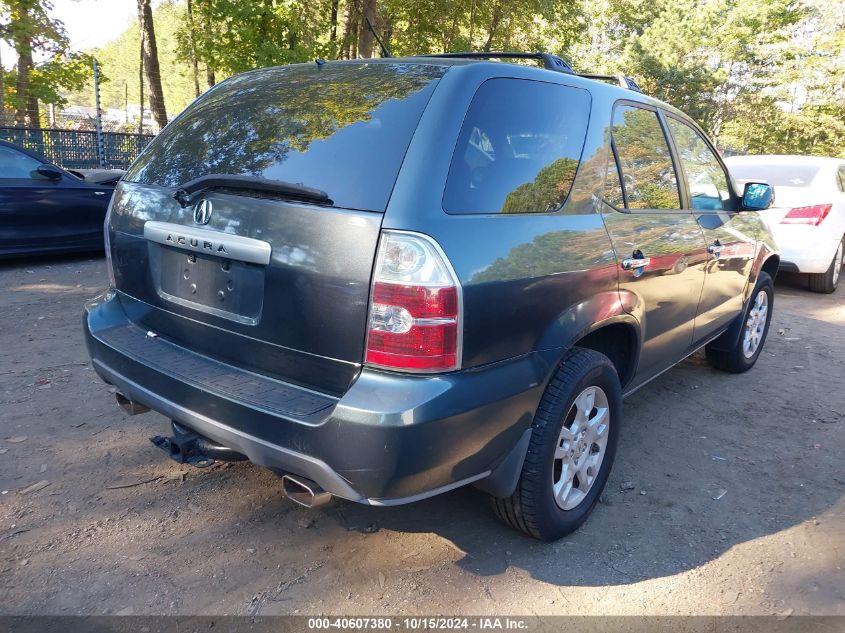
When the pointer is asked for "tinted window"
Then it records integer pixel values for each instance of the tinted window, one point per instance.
(647, 172)
(518, 149)
(779, 175)
(15, 164)
(840, 178)
(342, 128)
(708, 183)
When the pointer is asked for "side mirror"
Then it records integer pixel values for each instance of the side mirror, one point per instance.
(757, 196)
(50, 171)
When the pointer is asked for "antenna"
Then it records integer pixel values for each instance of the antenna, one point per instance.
(385, 52)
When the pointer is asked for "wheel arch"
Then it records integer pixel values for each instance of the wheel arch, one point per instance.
(600, 325)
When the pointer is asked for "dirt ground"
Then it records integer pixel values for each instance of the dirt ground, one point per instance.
(121, 529)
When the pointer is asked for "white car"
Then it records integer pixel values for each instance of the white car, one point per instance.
(808, 216)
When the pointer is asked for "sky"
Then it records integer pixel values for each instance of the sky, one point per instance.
(89, 23)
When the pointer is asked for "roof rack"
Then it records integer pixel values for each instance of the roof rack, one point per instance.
(551, 62)
(621, 80)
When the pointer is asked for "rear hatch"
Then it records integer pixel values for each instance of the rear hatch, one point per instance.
(262, 271)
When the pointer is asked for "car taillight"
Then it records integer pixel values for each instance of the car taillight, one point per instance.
(415, 308)
(107, 245)
(813, 215)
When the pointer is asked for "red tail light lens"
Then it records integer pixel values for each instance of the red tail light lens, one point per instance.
(813, 215)
(415, 311)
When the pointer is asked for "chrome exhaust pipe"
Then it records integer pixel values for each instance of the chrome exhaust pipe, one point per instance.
(304, 491)
(132, 408)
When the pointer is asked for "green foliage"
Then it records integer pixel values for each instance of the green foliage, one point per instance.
(27, 26)
(758, 75)
(120, 62)
(50, 79)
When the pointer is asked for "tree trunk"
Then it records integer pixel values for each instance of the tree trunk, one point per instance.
(350, 30)
(23, 47)
(194, 65)
(472, 25)
(141, 86)
(333, 21)
(2, 94)
(495, 21)
(145, 21)
(32, 111)
(209, 76)
(365, 37)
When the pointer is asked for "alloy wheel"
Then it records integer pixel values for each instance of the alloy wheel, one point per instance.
(755, 324)
(580, 448)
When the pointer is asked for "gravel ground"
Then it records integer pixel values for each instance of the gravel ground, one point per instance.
(118, 528)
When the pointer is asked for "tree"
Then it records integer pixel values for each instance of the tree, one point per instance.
(193, 48)
(151, 65)
(27, 26)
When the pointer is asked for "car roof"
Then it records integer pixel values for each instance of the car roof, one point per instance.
(609, 90)
(785, 159)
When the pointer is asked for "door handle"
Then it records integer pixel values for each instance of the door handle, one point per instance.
(635, 263)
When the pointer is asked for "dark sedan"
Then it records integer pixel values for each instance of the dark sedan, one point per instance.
(47, 209)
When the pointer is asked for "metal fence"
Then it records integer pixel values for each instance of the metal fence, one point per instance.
(77, 149)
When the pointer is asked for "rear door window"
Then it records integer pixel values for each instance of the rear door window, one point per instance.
(343, 128)
(648, 175)
(519, 148)
(707, 181)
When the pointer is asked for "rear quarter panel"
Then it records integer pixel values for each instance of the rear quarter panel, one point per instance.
(530, 281)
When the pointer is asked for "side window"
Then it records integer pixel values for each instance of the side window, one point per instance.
(15, 164)
(518, 149)
(648, 175)
(840, 178)
(708, 183)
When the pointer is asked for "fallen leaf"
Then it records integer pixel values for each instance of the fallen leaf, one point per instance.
(17, 439)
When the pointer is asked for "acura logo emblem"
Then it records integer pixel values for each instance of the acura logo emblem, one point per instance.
(202, 212)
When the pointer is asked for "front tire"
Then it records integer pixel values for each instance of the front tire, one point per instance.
(827, 281)
(755, 327)
(572, 448)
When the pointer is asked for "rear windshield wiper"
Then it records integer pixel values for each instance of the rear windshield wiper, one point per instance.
(250, 183)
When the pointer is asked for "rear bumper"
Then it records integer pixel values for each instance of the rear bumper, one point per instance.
(805, 249)
(389, 439)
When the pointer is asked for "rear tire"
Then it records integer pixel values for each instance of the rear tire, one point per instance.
(583, 395)
(752, 337)
(827, 281)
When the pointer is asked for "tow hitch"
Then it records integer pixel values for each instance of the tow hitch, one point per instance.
(187, 447)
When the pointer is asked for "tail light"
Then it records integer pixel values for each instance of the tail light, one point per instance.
(813, 215)
(415, 306)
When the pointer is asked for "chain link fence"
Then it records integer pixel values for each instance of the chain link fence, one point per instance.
(77, 149)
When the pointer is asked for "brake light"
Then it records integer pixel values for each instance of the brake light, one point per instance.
(415, 308)
(813, 215)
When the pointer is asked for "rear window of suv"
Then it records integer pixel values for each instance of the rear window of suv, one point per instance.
(343, 128)
(518, 149)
